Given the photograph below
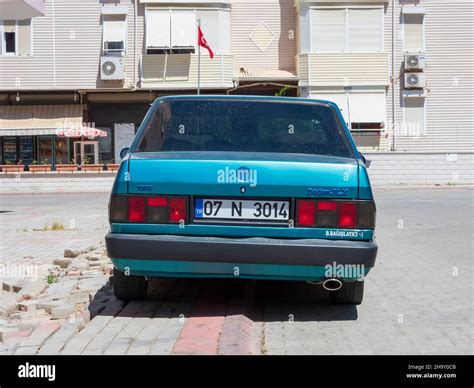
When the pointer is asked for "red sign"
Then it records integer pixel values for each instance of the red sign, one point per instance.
(81, 131)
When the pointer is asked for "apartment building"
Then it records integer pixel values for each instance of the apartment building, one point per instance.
(400, 71)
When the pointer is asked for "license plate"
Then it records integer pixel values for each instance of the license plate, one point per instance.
(230, 209)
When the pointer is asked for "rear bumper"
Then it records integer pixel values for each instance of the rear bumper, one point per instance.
(253, 251)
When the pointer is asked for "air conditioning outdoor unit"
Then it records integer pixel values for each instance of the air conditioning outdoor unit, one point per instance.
(111, 68)
(415, 61)
(415, 80)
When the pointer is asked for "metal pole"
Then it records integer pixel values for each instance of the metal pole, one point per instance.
(394, 147)
(199, 61)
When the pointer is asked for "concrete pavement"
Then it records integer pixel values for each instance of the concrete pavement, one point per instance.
(418, 298)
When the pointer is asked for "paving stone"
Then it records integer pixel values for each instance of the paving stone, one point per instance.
(63, 311)
(70, 253)
(63, 262)
(62, 289)
(7, 332)
(28, 305)
(78, 264)
(7, 303)
(78, 296)
(32, 290)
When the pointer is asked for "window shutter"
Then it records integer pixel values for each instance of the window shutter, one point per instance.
(183, 29)
(24, 37)
(1, 43)
(338, 98)
(365, 29)
(414, 116)
(210, 27)
(114, 28)
(328, 30)
(9, 26)
(367, 107)
(413, 27)
(158, 28)
(224, 31)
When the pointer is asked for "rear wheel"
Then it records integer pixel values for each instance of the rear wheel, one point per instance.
(349, 293)
(129, 287)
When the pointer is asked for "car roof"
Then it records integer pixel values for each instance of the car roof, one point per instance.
(244, 97)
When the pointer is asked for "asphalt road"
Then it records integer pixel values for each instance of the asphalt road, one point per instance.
(418, 298)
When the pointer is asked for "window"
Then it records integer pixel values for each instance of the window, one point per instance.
(347, 30)
(170, 31)
(105, 146)
(414, 123)
(114, 34)
(414, 40)
(9, 37)
(16, 37)
(175, 31)
(244, 125)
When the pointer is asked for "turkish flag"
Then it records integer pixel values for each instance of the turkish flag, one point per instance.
(203, 42)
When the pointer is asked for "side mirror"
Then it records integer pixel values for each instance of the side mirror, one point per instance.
(123, 152)
(366, 161)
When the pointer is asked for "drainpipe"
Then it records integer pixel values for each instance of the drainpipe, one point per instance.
(135, 45)
(393, 77)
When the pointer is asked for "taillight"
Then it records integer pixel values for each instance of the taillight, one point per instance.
(136, 209)
(143, 209)
(306, 213)
(157, 210)
(177, 210)
(347, 215)
(335, 214)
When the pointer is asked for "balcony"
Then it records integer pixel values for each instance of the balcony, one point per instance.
(180, 71)
(21, 9)
(343, 69)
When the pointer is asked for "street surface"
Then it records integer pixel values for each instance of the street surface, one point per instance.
(418, 298)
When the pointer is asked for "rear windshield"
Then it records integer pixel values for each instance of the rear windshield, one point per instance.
(244, 125)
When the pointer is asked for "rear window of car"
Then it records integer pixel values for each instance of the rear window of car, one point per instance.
(244, 126)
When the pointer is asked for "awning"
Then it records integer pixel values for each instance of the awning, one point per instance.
(109, 9)
(28, 120)
(21, 9)
(258, 74)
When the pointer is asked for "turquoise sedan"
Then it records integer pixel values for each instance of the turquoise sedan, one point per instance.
(242, 187)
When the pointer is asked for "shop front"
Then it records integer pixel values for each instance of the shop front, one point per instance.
(35, 134)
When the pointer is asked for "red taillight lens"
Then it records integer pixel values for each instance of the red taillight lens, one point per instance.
(177, 210)
(306, 212)
(157, 201)
(327, 206)
(347, 215)
(157, 210)
(136, 209)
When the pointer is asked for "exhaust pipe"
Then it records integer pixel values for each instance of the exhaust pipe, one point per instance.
(332, 284)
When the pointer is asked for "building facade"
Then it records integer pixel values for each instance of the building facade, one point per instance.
(401, 71)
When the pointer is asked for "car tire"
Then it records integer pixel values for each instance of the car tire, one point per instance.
(349, 293)
(129, 287)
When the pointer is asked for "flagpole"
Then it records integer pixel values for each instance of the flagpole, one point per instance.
(199, 61)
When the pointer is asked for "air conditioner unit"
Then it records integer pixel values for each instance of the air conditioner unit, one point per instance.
(111, 68)
(415, 80)
(415, 61)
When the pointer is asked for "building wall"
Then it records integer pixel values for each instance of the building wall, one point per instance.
(412, 168)
(272, 23)
(67, 44)
(449, 37)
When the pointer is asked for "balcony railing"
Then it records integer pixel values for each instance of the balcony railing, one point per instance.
(165, 71)
(343, 69)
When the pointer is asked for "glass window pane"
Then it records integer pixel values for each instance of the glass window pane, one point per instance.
(26, 149)
(62, 151)
(45, 148)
